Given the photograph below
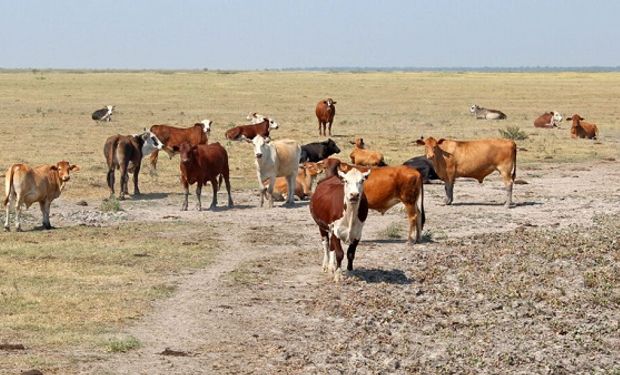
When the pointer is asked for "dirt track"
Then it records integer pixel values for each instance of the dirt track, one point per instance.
(489, 293)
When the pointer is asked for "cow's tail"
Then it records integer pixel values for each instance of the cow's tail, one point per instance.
(514, 161)
(8, 184)
(420, 203)
(219, 182)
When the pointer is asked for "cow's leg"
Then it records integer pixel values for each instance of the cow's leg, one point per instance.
(261, 188)
(18, 214)
(45, 212)
(325, 244)
(508, 183)
(272, 182)
(351, 254)
(198, 193)
(330, 128)
(215, 188)
(449, 186)
(320, 128)
(7, 210)
(153, 159)
(290, 184)
(124, 181)
(136, 173)
(185, 185)
(110, 179)
(227, 182)
(413, 216)
(339, 256)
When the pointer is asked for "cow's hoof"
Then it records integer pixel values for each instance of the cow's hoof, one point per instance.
(121, 198)
(7, 229)
(184, 208)
(18, 229)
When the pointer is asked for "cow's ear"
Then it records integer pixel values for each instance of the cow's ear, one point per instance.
(74, 167)
(581, 118)
(54, 168)
(366, 174)
(440, 141)
(267, 139)
(420, 142)
(341, 174)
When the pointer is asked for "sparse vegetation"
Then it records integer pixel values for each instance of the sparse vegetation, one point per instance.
(122, 345)
(393, 231)
(111, 204)
(514, 133)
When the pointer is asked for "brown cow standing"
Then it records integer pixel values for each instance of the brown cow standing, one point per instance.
(582, 129)
(248, 132)
(476, 159)
(201, 164)
(325, 112)
(25, 185)
(172, 136)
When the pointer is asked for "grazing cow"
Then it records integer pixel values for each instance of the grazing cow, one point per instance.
(340, 211)
(275, 159)
(172, 136)
(25, 185)
(325, 112)
(362, 156)
(201, 164)
(582, 129)
(103, 114)
(125, 152)
(317, 151)
(306, 175)
(248, 132)
(486, 114)
(424, 166)
(387, 186)
(255, 118)
(548, 120)
(476, 159)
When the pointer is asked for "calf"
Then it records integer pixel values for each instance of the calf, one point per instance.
(340, 211)
(317, 151)
(275, 159)
(172, 137)
(125, 152)
(582, 129)
(325, 112)
(25, 185)
(548, 120)
(486, 114)
(103, 114)
(248, 132)
(201, 164)
(476, 159)
(255, 118)
(362, 156)
(306, 175)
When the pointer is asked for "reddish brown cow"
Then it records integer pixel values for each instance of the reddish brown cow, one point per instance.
(241, 132)
(172, 136)
(201, 164)
(325, 112)
(340, 211)
(362, 156)
(582, 129)
(548, 120)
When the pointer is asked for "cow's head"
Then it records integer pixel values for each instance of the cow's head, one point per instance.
(474, 108)
(314, 169)
(557, 118)
(64, 168)
(431, 146)
(186, 151)
(272, 123)
(150, 142)
(353, 185)
(576, 119)
(359, 142)
(110, 108)
(261, 145)
(331, 147)
(330, 102)
(206, 125)
(255, 118)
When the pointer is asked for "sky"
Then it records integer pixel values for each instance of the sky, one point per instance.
(277, 34)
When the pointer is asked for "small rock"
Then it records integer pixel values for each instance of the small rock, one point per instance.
(82, 203)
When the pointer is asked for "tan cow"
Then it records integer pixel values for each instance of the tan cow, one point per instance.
(365, 157)
(26, 185)
(475, 159)
(582, 129)
(306, 175)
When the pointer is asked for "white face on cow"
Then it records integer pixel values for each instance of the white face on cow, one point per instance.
(260, 146)
(206, 125)
(151, 143)
(110, 108)
(473, 108)
(353, 185)
(255, 118)
(272, 123)
(557, 117)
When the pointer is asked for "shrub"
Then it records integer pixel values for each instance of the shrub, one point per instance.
(513, 132)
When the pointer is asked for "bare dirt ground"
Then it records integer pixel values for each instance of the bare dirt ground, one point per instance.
(531, 289)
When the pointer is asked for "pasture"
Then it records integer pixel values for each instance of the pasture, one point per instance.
(531, 289)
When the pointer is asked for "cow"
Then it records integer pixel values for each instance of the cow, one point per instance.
(255, 118)
(103, 114)
(306, 175)
(362, 156)
(25, 185)
(201, 164)
(387, 186)
(125, 152)
(317, 151)
(340, 210)
(325, 112)
(248, 132)
(486, 114)
(582, 129)
(172, 136)
(424, 166)
(475, 159)
(548, 120)
(275, 159)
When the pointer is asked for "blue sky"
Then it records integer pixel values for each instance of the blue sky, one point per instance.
(236, 34)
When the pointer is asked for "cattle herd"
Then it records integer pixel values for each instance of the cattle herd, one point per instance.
(340, 202)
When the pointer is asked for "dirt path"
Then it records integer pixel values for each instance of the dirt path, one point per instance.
(264, 305)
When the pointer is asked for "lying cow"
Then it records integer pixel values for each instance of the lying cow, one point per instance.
(340, 210)
(103, 114)
(275, 159)
(172, 136)
(201, 164)
(362, 156)
(325, 111)
(424, 166)
(548, 120)
(306, 175)
(486, 114)
(248, 132)
(582, 129)
(125, 152)
(25, 185)
(317, 151)
(255, 118)
(476, 159)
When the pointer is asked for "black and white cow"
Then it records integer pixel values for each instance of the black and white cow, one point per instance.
(103, 114)
(486, 114)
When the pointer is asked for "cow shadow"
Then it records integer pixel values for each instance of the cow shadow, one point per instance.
(149, 196)
(497, 204)
(374, 275)
(234, 207)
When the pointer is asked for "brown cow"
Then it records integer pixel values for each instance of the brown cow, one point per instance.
(340, 211)
(172, 136)
(362, 156)
(125, 152)
(201, 164)
(582, 129)
(387, 186)
(325, 112)
(548, 120)
(248, 132)
(476, 159)
(25, 185)
(306, 176)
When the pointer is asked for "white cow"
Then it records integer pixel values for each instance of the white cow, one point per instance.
(275, 159)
